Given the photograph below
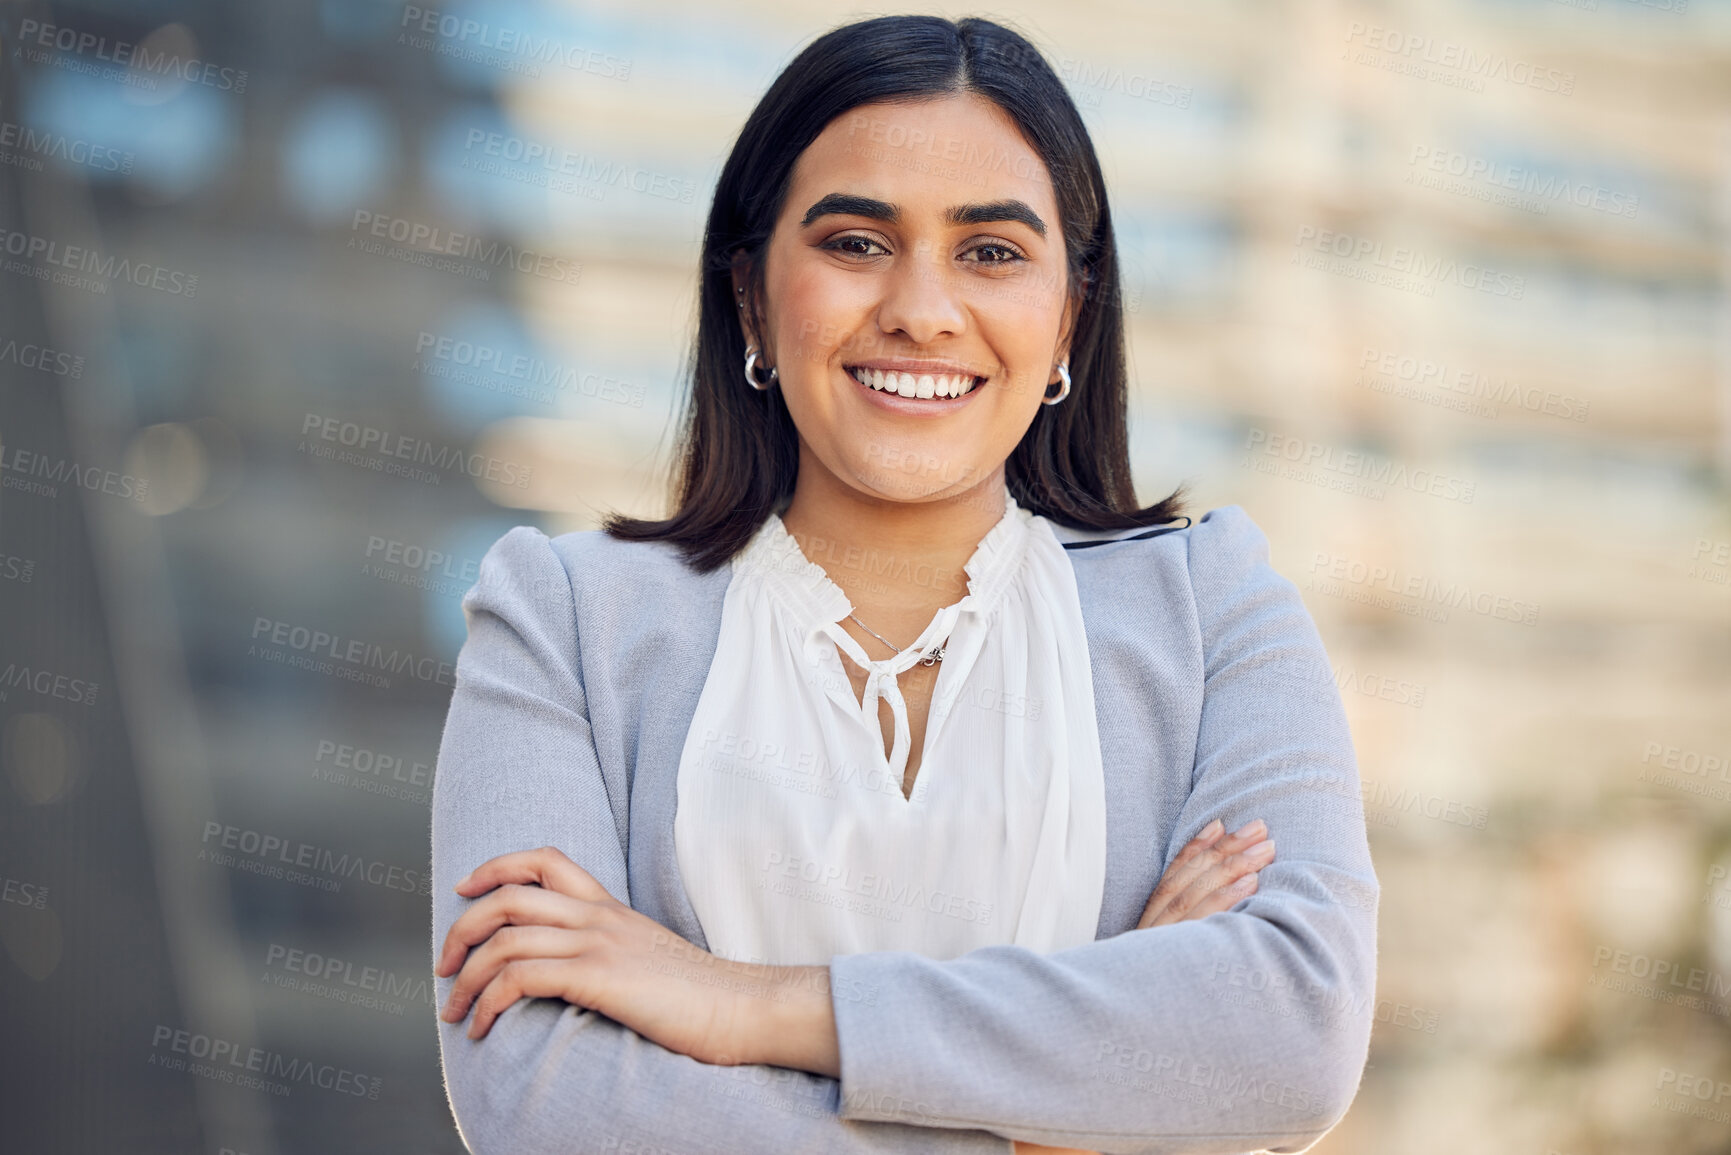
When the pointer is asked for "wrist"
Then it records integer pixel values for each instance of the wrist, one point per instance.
(786, 1019)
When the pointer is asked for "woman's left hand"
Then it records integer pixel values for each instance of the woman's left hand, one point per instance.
(549, 930)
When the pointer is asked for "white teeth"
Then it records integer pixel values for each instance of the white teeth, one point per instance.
(908, 385)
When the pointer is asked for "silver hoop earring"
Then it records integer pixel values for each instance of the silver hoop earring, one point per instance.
(1063, 376)
(750, 371)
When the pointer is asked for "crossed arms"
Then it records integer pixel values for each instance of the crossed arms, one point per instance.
(1246, 1030)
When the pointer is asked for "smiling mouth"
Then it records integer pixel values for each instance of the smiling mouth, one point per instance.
(920, 385)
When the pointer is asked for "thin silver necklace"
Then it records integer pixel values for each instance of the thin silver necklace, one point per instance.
(930, 658)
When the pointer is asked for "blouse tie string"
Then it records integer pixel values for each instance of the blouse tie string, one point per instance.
(881, 678)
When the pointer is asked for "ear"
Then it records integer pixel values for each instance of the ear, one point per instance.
(1067, 326)
(740, 271)
(741, 277)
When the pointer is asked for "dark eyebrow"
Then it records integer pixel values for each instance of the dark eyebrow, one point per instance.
(846, 204)
(1011, 210)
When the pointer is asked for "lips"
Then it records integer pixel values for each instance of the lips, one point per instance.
(915, 385)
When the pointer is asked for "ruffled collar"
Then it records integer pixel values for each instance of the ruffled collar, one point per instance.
(775, 555)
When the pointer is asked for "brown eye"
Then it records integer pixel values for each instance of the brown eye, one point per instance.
(836, 245)
(1006, 256)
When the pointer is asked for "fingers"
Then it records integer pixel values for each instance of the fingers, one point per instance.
(1196, 856)
(1181, 867)
(547, 867)
(1217, 876)
(1215, 861)
(1205, 838)
(510, 904)
(1222, 898)
(1222, 875)
(531, 978)
(509, 945)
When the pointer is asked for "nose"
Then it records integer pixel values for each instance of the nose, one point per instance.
(921, 298)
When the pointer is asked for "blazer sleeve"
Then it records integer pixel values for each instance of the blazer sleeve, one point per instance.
(1245, 1030)
(517, 769)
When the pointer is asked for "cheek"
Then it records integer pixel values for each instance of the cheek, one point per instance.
(823, 308)
(1023, 340)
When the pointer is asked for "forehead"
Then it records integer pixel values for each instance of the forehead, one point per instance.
(925, 155)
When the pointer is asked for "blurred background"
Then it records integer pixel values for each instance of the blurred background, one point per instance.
(294, 324)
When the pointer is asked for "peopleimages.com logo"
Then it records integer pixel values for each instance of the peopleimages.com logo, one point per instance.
(140, 59)
(354, 659)
(228, 1061)
(1391, 587)
(81, 267)
(401, 447)
(445, 250)
(512, 49)
(1448, 62)
(1366, 258)
(1350, 470)
(269, 854)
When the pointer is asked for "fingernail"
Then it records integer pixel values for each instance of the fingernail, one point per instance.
(1251, 829)
(1245, 883)
(464, 881)
(1213, 828)
(1261, 849)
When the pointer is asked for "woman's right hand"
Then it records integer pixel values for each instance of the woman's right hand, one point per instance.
(1211, 874)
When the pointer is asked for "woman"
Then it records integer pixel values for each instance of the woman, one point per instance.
(723, 867)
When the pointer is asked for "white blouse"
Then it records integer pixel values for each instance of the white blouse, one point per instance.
(794, 840)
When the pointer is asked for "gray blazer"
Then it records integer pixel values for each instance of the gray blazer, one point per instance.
(1246, 1030)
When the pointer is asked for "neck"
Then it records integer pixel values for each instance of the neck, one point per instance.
(897, 561)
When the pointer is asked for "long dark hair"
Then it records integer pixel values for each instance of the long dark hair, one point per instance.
(738, 455)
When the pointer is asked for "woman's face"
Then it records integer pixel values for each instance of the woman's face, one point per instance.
(919, 239)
